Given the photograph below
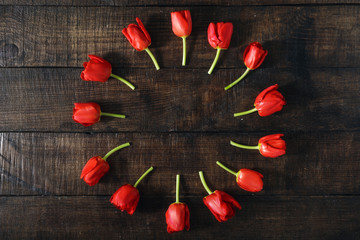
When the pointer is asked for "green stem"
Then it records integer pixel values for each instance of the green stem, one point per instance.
(215, 61)
(237, 80)
(227, 169)
(123, 80)
(204, 183)
(112, 115)
(243, 146)
(115, 149)
(142, 176)
(245, 112)
(152, 58)
(177, 187)
(184, 51)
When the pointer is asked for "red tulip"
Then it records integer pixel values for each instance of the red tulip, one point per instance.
(250, 180)
(267, 102)
(182, 26)
(247, 179)
(139, 38)
(254, 55)
(126, 198)
(221, 204)
(94, 169)
(177, 215)
(269, 146)
(97, 167)
(181, 23)
(219, 37)
(88, 114)
(272, 146)
(99, 70)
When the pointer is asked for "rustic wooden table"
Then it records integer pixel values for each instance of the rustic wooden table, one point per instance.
(180, 119)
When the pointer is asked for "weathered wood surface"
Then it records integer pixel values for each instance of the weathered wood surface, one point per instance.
(306, 36)
(180, 100)
(179, 119)
(51, 163)
(260, 218)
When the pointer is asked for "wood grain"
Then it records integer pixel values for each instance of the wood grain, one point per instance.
(180, 100)
(260, 218)
(50, 164)
(323, 36)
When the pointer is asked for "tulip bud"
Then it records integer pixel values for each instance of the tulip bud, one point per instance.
(99, 70)
(220, 204)
(88, 114)
(247, 179)
(178, 214)
(269, 101)
(272, 145)
(219, 37)
(140, 39)
(126, 198)
(94, 169)
(269, 146)
(97, 167)
(254, 55)
(182, 26)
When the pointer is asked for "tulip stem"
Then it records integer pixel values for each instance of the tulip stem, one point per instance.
(204, 183)
(184, 51)
(215, 61)
(112, 115)
(245, 112)
(123, 80)
(238, 80)
(177, 187)
(225, 168)
(142, 176)
(152, 58)
(115, 149)
(243, 146)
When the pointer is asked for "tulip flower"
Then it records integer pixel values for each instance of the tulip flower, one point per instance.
(97, 167)
(88, 114)
(126, 198)
(177, 215)
(221, 204)
(182, 26)
(254, 55)
(219, 37)
(140, 39)
(267, 102)
(269, 146)
(247, 179)
(99, 70)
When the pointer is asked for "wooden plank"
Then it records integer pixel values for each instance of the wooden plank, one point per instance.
(180, 100)
(149, 3)
(260, 218)
(296, 36)
(50, 163)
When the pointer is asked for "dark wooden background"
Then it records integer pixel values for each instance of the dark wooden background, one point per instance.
(180, 119)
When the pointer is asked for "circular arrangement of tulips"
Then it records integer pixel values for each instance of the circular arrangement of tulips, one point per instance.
(269, 101)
